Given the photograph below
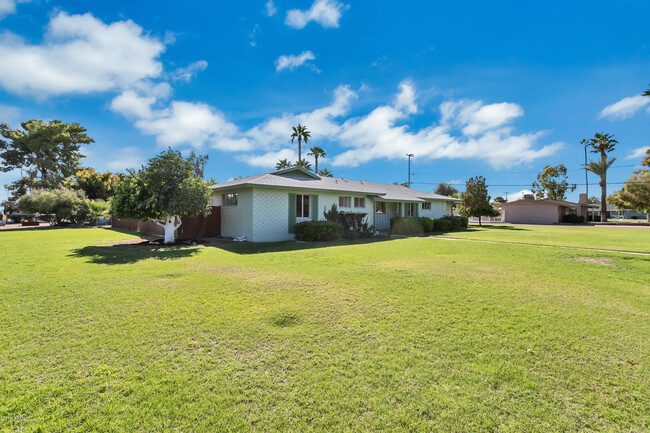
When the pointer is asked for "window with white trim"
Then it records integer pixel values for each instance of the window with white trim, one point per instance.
(302, 206)
(411, 209)
(359, 202)
(380, 207)
(345, 201)
(426, 205)
(229, 199)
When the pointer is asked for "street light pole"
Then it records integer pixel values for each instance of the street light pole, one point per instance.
(586, 177)
(410, 155)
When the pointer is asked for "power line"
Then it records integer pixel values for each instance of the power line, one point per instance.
(523, 172)
(525, 184)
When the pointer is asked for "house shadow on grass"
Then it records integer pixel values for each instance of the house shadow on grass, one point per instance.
(132, 253)
(496, 227)
(275, 247)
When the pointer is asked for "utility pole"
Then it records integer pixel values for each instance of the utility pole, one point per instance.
(410, 155)
(586, 177)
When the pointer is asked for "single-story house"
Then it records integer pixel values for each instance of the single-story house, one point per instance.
(613, 213)
(544, 211)
(265, 207)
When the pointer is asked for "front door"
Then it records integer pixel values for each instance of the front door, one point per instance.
(384, 211)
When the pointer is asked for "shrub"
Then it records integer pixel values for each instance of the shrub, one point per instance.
(427, 224)
(64, 204)
(316, 231)
(571, 218)
(406, 226)
(441, 225)
(354, 224)
(457, 222)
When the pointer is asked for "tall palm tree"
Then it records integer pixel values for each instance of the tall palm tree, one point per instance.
(283, 163)
(301, 134)
(316, 152)
(600, 168)
(602, 144)
(325, 173)
(647, 92)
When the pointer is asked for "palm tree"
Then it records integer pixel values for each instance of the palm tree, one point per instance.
(304, 164)
(302, 134)
(325, 173)
(603, 144)
(600, 169)
(282, 164)
(647, 92)
(316, 152)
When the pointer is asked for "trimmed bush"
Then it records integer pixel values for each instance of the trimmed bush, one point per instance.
(457, 222)
(406, 226)
(427, 224)
(441, 225)
(571, 218)
(317, 231)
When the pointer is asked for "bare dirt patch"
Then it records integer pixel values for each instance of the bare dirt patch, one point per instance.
(596, 261)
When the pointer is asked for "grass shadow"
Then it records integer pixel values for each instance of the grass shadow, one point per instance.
(496, 227)
(126, 254)
(274, 247)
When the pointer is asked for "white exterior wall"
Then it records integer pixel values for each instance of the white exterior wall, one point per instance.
(237, 220)
(438, 209)
(326, 200)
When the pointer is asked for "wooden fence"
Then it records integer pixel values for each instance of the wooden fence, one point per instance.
(197, 227)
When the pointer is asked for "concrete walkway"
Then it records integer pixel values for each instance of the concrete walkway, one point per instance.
(540, 245)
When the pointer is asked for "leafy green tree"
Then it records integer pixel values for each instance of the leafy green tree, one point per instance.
(48, 152)
(63, 203)
(316, 152)
(301, 134)
(168, 188)
(95, 185)
(602, 144)
(475, 199)
(445, 189)
(635, 194)
(552, 183)
(500, 200)
(325, 172)
(593, 200)
(282, 164)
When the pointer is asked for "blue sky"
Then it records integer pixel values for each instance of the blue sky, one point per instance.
(499, 89)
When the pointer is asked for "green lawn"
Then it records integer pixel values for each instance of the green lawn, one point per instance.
(610, 238)
(397, 335)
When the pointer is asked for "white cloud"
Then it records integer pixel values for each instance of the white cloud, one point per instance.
(270, 8)
(638, 153)
(9, 6)
(80, 54)
(188, 72)
(327, 13)
(294, 61)
(269, 159)
(625, 108)
(467, 129)
(518, 195)
(129, 157)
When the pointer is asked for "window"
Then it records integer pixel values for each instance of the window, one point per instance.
(359, 202)
(380, 207)
(426, 206)
(229, 199)
(302, 206)
(411, 208)
(345, 201)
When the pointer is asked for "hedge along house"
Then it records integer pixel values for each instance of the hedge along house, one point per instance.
(265, 207)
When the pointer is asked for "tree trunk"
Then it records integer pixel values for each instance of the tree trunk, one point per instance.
(299, 151)
(316, 160)
(170, 225)
(603, 198)
(479, 221)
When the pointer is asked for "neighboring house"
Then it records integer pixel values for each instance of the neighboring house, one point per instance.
(545, 211)
(613, 213)
(264, 208)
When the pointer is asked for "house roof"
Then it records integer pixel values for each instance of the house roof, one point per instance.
(299, 178)
(547, 201)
